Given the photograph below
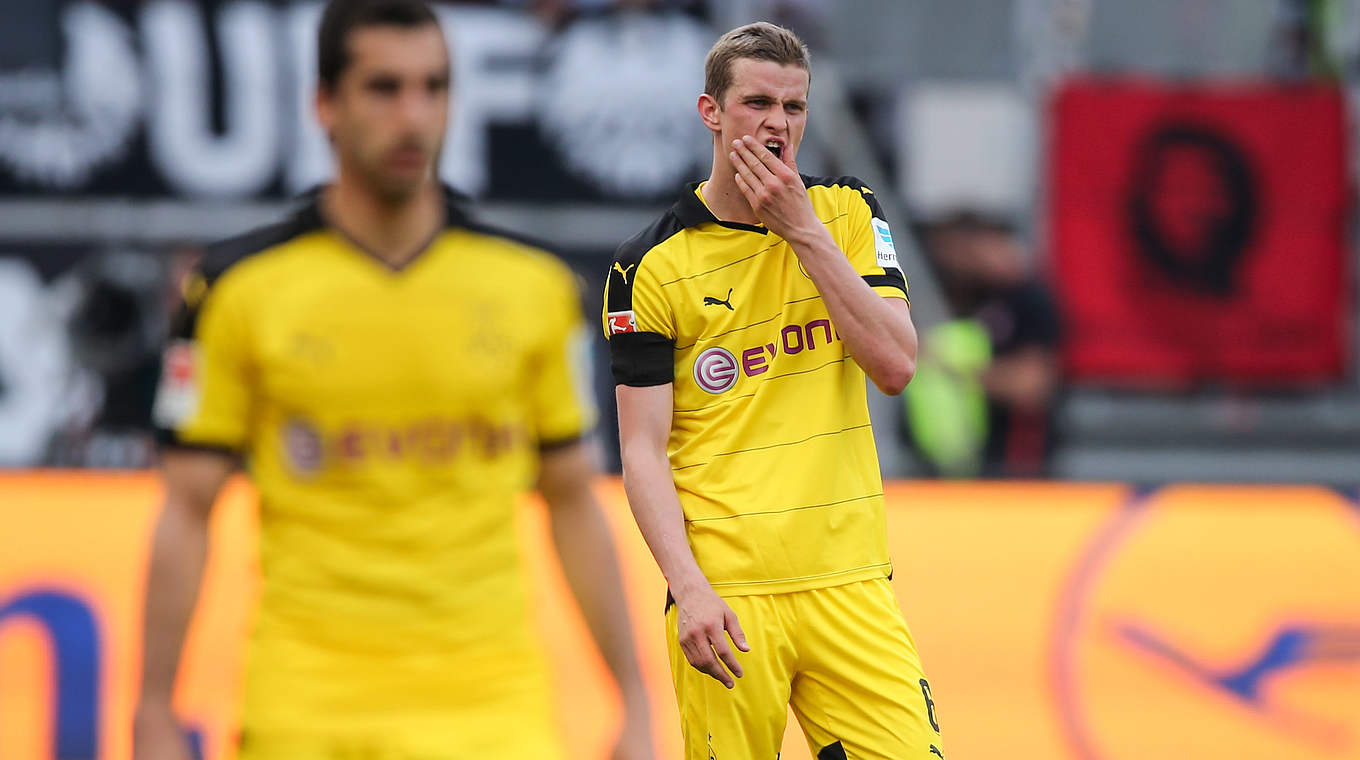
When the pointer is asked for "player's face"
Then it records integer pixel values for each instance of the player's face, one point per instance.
(767, 101)
(388, 111)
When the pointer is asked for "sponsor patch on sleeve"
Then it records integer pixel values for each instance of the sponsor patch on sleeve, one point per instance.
(622, 322)
(177, 394)
(883, 245)
(582, 366)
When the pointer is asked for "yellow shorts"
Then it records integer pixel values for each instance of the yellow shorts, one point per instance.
(841, 657)
(499, 734)
(513, 718)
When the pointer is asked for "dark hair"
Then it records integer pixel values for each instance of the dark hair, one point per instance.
(761, 41)
(344, 16)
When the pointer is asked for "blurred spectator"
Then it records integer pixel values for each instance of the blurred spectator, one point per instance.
(982, 400)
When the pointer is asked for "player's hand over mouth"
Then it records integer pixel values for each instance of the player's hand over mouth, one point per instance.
(775, 191)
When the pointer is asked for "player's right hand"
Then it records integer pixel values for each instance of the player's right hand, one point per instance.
(704, 623)
(157, 735)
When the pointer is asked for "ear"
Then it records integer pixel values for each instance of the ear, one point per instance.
(710, 113)
(325, 109)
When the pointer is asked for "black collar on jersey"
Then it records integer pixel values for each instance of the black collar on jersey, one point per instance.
(310, 216)
(455, 215)
(692, 212)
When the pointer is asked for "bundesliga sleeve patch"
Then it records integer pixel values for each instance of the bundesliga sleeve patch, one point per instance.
(883, 245)
(177, 394)
(622, 322)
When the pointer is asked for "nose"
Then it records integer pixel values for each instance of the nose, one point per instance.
(418, 105)
(777, 121)
(415, 105)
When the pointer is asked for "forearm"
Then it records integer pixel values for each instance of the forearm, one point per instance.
(179, 551)
(660, 518)
(875, 333)
(585, 548)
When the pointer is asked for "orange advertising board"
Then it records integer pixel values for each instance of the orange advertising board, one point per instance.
(1055, 621)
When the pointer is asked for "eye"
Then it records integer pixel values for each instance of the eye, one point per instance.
(383, 85)
(437, 84)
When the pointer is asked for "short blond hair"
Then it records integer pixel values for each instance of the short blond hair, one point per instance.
(761, 41)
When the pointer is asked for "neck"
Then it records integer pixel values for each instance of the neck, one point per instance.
(723, 196)
(394, 230)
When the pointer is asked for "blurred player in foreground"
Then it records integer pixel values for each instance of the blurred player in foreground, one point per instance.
(394, 375)
(741, 326)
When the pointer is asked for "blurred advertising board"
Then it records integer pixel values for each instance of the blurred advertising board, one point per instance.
(1199, 232)
(1056, 621)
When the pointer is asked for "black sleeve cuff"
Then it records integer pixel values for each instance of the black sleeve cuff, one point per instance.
(893, 278)
(169, 439)
(555, 444)
(642, 359)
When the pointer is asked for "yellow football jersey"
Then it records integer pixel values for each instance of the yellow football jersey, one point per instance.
(772, 454)
(389, 419)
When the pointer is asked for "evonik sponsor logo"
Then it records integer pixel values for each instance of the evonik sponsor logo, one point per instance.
(717, 369)
(431, 441)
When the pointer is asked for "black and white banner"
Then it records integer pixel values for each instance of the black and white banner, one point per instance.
(212, 99)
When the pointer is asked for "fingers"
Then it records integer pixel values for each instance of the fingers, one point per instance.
(725, 654)
(708, 652)
(756, 156)
(747, 191)
(709, 664)
(734, 630)
(746, 178)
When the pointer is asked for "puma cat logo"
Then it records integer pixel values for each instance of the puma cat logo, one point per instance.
(623, 271)
(711, 301)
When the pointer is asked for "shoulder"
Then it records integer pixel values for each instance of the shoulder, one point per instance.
(227, 255)
(844, 183)
(844, 192)
(656, 234)
(525, 259)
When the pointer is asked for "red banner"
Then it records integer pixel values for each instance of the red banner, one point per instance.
(1198, 232)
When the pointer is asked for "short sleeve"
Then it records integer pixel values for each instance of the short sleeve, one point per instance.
(638, 323)
(870, 248)
(561, 388)
(204, 396)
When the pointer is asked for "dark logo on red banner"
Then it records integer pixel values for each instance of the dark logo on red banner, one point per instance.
(1192, 205)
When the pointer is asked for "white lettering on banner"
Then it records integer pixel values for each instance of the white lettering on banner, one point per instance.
(589, 104)
(43, 388)
(487, 86)
(244, 159)
(86, 114)
(307, 152)
(619, 124)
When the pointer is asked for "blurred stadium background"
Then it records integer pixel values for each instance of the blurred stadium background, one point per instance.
(1129, 231)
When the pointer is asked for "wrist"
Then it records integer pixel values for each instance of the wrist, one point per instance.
(810, 242)
(689, 586)
(152, 709)
(634, 698)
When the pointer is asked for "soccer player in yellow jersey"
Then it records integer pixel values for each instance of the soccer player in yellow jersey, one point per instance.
(741, 326)
(394, 375)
